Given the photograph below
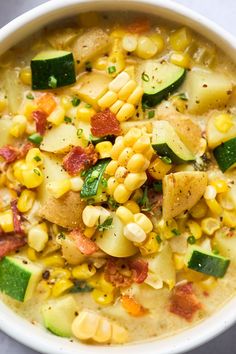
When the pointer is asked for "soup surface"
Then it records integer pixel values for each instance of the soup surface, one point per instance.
(117, 179)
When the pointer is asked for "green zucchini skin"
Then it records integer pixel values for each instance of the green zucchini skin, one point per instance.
(164, 150)
(225, 154)
(207, 263)
(91, 186)
(62, 68)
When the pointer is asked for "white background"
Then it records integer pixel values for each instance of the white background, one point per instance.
(224, 13)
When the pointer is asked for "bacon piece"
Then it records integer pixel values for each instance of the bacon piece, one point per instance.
(16, 218)
(184, 302)
(140, 270)
(84, 244)
(105, 123)
(25, 147)
(9, 244)
(40, 118)
(113, 275)
(79, 158)
(139, 26)
(9, 153)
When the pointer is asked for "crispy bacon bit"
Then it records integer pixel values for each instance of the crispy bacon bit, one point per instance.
(40, 118)
(16, 218)
(9, 153)
(140, 270)
(79, 159)
(9, 244)
(105, 123)
(84, 244)
(139, 26)
(184, 302)
(25, 147)
(113, 275)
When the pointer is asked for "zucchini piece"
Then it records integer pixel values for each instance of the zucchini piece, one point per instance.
(159, 79)
(19, 277)
(166, 142)
(93, 178)
(52, 69)
(207, 262)
(225, 155)
(58, 316)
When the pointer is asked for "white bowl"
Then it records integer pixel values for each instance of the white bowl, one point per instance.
(36, 337)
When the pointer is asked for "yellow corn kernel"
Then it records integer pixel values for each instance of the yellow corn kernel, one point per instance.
(127, 90)
(28, 109)
(214, 206)
(6, 221)
(65, 102)
(90, 216)
(150, 246)
(125, 155)
(55, 260)
(112, 184)
(60, 273)
(76, 184)
(104, 149)
(144, 222)
(3, 103)
(180, 39)
(18, 127)
(119, 82)
(26, 201)
(125, 214)
(118, 33)
(142, 145)
(44, 290)
(121, 194)
(38, 237)
(61, 287)
(89, 19)
(132, 206)
(181, 59)
(126, 112)
(102, 298)
(223, 122)
(101, 64)
(159, 41)
(31, 254)
(210, 225)
(129, 42)
(199, 210)
(166, 228)
(208, 284)
(146, 48)
(111, 168)
(134, 233)
(158, 168)
(57, 116)
(85, 113)
(117, 148)
(108, 99)
(59, 188)
(137, 163)
(89, 231)
(119, 334)
(135, 180)
(34, 157)
(117, 57)
(120, 174)
(195, 229)
(220, 185)
(32, 178)
(132, 136)
(85, 325)
(116, 106)
(26, 76)
(229, 218)
(178, 261)
(103, 332)
(83, 271)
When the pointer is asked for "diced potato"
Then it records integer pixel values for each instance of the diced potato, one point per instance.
(215, 137)
(92, 43)
(90, 87)
(114, 243)
(181, 191)
(14, 91)
(5, 126)
(70, 252)
(60, 139)
(207, 90)
(62, 38)
(225, 241)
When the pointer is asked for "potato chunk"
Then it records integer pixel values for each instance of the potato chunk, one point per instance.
(181, 191)
(216, 137)
(207, 90)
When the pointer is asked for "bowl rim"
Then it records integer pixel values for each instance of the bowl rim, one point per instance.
(19, 28)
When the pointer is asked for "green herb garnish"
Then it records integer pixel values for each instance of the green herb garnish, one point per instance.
(151, 114)
(176, 232)
(37, 158)
(35, 138)
(166, 160)
(111, 69)
(75, 101)
(67, 119)
(145, 77)
(144, 201)
(80, 287)
(88, 105)
(88, 66)
(106, 225)
(52, 82)
(79, 132)
(157, 186)
(191, 240)
(158, 238)
(30, 96)
(36, 172)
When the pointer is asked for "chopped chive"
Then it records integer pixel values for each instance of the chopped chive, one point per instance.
(79, 132)
(35, 138)
(106, 225)
(52, 82)
(111, 69)
(145, 77)
(75, 101)
(159, 240)
(166, 160)
(37, 158)
(88, 66)
(61, 235)
(183, 96)
(67, 119)
(176, 232)
(36, 172)
(151, 114)
(157, 186)
(30, 96)
(88, 105)
(191, 240)
(104, 182)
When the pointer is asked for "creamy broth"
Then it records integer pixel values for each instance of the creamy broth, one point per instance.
(117, 263)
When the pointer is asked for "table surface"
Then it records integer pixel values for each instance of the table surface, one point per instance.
(223, 15)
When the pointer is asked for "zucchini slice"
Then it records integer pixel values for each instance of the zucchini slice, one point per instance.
(52, 69)
(159, 79)
(225, 155)
(207, 263)
(166, 142)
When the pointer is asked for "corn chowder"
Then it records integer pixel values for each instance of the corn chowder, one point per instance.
(117, 184)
